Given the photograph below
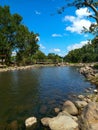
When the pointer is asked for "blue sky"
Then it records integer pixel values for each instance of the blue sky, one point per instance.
(58, 33)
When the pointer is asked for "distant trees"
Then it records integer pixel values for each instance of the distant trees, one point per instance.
(54, 58)
(40, 57)
(88, 53)
(14, 36)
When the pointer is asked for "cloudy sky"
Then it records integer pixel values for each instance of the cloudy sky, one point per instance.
(59, 33)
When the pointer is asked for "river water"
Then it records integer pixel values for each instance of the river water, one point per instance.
(35, 92)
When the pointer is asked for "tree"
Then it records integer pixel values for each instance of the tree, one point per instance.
(25, 44)
(39, 56)
(15, 36)
(8, 28)
(91, 5)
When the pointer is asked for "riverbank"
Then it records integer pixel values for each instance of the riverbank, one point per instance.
(81, 114)
(90, 73)
(13, 68)
(4, 68)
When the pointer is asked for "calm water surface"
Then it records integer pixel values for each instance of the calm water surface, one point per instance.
(37, 91)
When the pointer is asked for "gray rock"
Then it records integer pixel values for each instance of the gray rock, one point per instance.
(80, 104)
(63, 123)
(81, 97)
(57, 110)
(89, 117)
(30, 121)
(69, 107)
(45, 121)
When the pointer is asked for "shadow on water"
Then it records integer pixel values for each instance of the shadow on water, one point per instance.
(36, 92)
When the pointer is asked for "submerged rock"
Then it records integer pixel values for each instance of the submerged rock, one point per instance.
(43, 109)
(14, 125)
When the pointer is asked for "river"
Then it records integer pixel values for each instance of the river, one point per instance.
(37, 91)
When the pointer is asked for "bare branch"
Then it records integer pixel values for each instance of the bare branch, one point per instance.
(93, 17)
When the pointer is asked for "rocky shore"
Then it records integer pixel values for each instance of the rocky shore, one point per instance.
(90, 73)
(81, 114)
(13, 68)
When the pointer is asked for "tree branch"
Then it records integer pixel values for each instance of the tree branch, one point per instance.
(96, 18)
(86, 3)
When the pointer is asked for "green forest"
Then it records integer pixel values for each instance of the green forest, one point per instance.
(86, 54)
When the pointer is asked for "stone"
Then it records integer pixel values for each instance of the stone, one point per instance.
(95, 91)
(14, 125)
(43, 109)
(69, 107)
(80, 104)
(89, 117)
(63, 123)
(81, 97)
(30, 121)
(57, 110)
(67, 114)
(45, 121)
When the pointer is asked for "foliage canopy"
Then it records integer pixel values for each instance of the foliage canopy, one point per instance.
(14, 36)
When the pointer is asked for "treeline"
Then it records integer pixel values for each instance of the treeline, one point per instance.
(15, 36)
(86, 54)
(51, 58)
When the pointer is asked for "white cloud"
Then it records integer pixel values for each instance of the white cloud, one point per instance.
(82, 12)
(37, 12)
(76, 45)
(56, 35)
(78, 21)
(42, 47)
(55, 50)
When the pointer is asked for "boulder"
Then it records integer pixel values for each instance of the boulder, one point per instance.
(89, 117)
(69, 107)
(30, 121)
(63, 123)
(45, 121)
(81, 97)
(80, 104)
(67, 114)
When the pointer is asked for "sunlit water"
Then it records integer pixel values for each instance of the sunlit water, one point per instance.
(37, 91)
